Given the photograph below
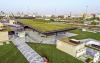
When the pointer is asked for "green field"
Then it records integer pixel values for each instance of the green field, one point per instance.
(44, 26)
(53, 55)
(10, 54)
(85, 34)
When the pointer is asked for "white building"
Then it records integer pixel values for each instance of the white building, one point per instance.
(12, 22)
(3, 37)
(71, 46)
(92, 49)
(1, 26)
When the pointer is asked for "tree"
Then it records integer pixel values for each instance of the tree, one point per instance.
(52, 20)
(93, 23)
(88, 60)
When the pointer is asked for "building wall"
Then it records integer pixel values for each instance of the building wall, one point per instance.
(66, 48)
(12, 22)
(75, 51)
(91, 52)
(4, 36)
(1, 26)
(81, 49)
(21, 34)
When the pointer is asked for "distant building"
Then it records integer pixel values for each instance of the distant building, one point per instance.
(87, 16)
(98, 15)
(47, 19)
(39, 17)
(93, 15)
(21, 34)
(48, 16)
(1, 26)
(65, 16)
(61, 17)
(12, 22)
(53, 16)
(87, 22)
(71, 46)
(34, 16)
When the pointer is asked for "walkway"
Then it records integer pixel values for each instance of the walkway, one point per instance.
(38, 38)
(27, 51)
(35, 36)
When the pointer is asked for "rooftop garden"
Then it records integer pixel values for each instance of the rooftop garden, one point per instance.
(10, 54)
(6, 28)
(94, 48)
(53, 54)
(44, 26)
(85, 34)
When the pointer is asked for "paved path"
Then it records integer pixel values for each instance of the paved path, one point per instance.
(36, 37)
(27, 51)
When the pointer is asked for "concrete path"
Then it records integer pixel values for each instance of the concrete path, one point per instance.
(26, 50)
(37, 38)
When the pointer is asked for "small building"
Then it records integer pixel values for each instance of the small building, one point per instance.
(3, 34)
(9, 21)
(47, 19)
(71, 46)
(98, 15)
(61, 17)
(93, 50)
(1, 26)
(3, 37)
(87, 22)
(21, 34)
(12, 22)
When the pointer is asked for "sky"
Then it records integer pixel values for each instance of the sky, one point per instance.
(50, 6)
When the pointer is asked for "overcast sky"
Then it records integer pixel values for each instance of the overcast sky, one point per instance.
(50, 6)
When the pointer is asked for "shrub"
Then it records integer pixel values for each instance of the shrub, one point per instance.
(88, 60)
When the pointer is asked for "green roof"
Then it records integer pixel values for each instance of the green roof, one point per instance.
(43, 26)
(85, 35)
(88, 46)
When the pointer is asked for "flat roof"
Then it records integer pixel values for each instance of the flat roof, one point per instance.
(1, 24)
(6, 28)
(96, 46)
(70, 41)
(45, 27)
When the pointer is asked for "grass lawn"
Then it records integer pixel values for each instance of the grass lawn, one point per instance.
(44, 26)
(54, 55)
(10, 54)
(85, 34)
